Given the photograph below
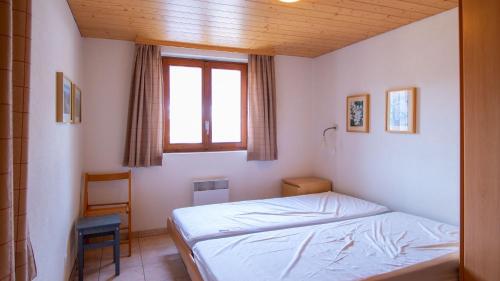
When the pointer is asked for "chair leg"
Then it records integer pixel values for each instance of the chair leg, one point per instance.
(130, 233)
(116, 250)
(80, 256)
(129, 245)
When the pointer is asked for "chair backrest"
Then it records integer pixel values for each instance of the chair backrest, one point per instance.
(107, 177)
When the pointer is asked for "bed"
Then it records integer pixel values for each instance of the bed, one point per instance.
(205, 222)
(389, 246)
(190, 225)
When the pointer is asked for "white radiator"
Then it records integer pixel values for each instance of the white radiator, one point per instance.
(210, 191)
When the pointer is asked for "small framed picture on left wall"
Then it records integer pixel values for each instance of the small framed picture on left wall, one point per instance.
(77, 104)
(64, 98)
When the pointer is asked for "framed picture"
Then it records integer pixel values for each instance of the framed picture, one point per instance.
(358, 113)
(400, 112)
(64, 96)
(77, 104)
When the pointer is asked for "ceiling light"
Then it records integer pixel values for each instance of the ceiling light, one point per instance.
(289, 1)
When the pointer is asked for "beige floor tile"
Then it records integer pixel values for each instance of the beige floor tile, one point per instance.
(126, 274)
(108, 251)
(152, 241)
(161, 272)
(125, 262)
(154, 258)
(155, 249)
(165, 268)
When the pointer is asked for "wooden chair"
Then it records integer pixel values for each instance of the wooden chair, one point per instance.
(124, 207)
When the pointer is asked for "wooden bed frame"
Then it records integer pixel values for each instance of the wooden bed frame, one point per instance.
(412, 273)
(184, 251)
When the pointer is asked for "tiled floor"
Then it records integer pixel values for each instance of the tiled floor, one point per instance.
(154, 258)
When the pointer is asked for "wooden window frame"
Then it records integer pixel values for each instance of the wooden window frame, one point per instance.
(206, 144)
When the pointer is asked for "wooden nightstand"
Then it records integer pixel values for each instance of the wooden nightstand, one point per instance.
(305, 185)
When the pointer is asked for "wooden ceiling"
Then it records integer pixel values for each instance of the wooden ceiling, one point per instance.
(306, 28)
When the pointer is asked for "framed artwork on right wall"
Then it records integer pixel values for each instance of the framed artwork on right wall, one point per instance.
(358, 113)
(400, 112)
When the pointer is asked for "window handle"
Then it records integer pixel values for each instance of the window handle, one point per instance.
(207, 127)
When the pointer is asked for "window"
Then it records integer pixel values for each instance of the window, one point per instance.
(205, 105)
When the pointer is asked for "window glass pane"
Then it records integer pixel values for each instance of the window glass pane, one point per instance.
(185, 104)
(226, 105)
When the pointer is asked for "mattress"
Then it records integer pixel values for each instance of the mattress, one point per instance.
(205, 222)
(390, 246)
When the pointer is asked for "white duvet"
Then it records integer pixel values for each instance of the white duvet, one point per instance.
(228, 219)
(366, 248)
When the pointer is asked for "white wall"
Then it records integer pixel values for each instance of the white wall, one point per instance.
(414, 173)
(156, 191)
(55, 150)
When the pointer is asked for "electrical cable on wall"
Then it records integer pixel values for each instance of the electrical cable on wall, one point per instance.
(330, 145)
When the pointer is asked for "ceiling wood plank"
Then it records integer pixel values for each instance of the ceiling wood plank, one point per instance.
(306, 28)
(443, 4)
(262, 23)
(239, 42)
(409, 6)
(140, 40)
(240, 13)
(249, 33)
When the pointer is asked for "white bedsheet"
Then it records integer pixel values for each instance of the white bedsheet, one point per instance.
(380, 247)
(228, 219)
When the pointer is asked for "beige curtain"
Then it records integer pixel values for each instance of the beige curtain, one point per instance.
(261, 109)
(16, 254)
(144, 146)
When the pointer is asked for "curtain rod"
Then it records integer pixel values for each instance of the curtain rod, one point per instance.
(265, 52)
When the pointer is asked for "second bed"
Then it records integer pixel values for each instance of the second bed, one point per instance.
(205, 222)
(391, 246)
